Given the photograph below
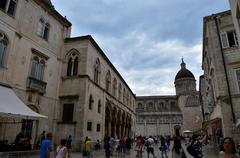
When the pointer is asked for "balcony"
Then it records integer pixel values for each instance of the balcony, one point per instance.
(36, 85)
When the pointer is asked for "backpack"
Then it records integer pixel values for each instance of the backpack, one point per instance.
(147, 143)
(191, 149)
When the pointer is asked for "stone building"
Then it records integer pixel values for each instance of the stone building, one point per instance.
(70, 80)
(219, 86)
(235, 9)
(168, 115)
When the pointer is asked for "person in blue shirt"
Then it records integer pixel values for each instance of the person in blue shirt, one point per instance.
(46, 146)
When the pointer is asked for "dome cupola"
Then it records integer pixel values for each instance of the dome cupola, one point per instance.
(184, 72)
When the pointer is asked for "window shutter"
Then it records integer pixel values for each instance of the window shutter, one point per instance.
(224, 40)
(235, 38)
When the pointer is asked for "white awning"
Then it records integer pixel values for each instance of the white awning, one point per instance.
(238, 123)
(11, 106)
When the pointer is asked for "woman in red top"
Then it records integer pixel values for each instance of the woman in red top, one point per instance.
(139, 146)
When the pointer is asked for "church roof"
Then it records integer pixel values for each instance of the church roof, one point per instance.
(184, 72)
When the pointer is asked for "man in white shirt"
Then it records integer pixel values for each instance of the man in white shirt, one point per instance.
(150, 145)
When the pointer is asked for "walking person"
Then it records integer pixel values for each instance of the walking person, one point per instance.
(163, 147)
(107, 147)
(128, 145)
(46, 147)
(40, 138)
(88, 148)
(149, 144)
(177, 147)
(195, 148)
(229, 149)
(139, 146)
(69, 145)
(62, 151)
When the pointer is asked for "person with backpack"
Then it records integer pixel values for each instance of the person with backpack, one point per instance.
(149, 144)
(195, 147)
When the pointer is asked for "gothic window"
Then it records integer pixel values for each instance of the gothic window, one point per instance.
(124, 95)
(120, 91)
(229, 39)
(38, 65)
(99, 106)
(69, 67)
(127, 98)
(108, 81)
(97, 70)
(75, 67)
(3, 48)
(67, 112)
(8, 6)
(72, 65)
(43, 29)
(90, 102)
(114, 87)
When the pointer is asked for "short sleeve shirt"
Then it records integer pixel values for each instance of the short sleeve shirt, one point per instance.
(46, 145)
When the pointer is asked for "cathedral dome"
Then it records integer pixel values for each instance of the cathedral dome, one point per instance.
(184, 72)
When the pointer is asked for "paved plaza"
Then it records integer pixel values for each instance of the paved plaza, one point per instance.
(208, 152)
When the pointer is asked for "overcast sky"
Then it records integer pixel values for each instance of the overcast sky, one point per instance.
(144, 39)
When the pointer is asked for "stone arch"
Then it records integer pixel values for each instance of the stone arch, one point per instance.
(177, 129)
(107, 118)
(118, 123)
(113, 121)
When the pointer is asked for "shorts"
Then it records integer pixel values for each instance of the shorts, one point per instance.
(150, 150)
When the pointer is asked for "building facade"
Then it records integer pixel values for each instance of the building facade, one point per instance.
(170, 115)
(70, 80)
(219, 86)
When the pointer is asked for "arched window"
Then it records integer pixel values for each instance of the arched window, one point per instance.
(90, 102)
(69, 68)
(108, 81)
(114, 87)
(3, 47)
(99, 106)
(75, 67)
(97, 70)
(124, 95)
(72, 66)
(120, 91)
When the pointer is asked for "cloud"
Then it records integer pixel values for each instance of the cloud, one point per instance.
(145, 40)
(149, 66)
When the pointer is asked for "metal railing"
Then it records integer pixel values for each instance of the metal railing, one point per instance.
(20, 154)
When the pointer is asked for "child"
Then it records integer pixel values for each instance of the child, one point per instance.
(165, 149)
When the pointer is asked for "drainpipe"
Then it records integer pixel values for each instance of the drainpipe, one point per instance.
(225, 70)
